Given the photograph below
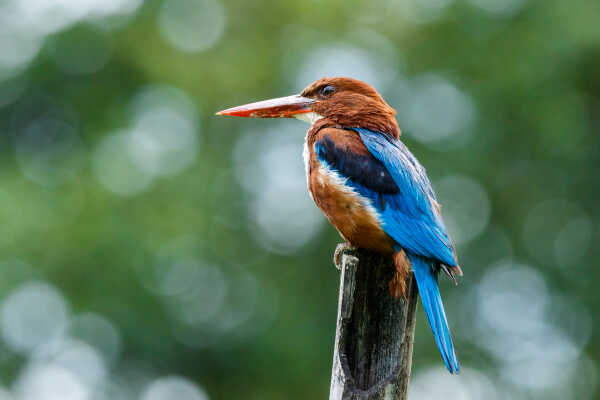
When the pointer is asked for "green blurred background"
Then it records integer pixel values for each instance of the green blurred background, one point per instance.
(149, 250)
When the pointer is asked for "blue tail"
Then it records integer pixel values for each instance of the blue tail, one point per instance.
(432, 303)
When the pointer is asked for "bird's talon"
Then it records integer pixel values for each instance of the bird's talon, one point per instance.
(337, 255)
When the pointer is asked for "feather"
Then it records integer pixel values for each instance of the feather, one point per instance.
(412, 218)
(427, 283)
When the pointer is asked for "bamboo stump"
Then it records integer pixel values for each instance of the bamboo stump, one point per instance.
(374, 334)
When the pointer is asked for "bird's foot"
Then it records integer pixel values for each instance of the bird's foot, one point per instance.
(337, 255)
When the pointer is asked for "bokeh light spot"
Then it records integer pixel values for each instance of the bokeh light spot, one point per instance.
(192, 25)
(173, 387)
(164, 132)
(269, 166)
(465, 207)
(32, 315)
(163, 141)
(49, 16)
(50, 382)
(504, 289)
(115, 168)
(433, 109)
(25, 23)
(5, 394)
(17, 49)
(98, 332)
(557, 231)
(81, 359)
(437, 383)
(199, 290)
(536, 353)
(342, 59)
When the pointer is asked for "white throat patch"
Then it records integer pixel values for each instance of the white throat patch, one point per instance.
(310, 117)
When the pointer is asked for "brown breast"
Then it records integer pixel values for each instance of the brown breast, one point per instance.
(352, 215)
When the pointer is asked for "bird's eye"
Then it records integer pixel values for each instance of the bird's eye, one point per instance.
(327, 91)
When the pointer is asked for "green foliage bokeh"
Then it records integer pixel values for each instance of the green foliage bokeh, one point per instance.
(530, 74)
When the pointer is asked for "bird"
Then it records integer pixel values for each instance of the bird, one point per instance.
(371, 187)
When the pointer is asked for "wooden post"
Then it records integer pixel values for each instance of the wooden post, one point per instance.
(374, 335)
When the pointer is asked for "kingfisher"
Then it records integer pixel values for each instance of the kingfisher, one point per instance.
(371, 187)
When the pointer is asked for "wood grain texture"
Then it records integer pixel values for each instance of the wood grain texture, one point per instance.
(374, 335)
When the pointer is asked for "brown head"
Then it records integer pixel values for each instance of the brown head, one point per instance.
(345, 102)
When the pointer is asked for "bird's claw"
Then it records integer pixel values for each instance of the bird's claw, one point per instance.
(337, 255)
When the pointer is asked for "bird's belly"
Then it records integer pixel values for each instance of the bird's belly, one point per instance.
(352, 214)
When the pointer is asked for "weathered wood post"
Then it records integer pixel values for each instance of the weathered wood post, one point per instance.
(374, 335)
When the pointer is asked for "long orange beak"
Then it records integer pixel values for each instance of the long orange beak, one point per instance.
(282, 107)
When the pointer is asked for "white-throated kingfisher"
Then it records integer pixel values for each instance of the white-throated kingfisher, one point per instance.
(371, 187)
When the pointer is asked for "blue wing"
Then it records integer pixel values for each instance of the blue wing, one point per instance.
(407, 209)
(412, 219)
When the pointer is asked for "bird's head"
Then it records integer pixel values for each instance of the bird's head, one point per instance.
(345, 102)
